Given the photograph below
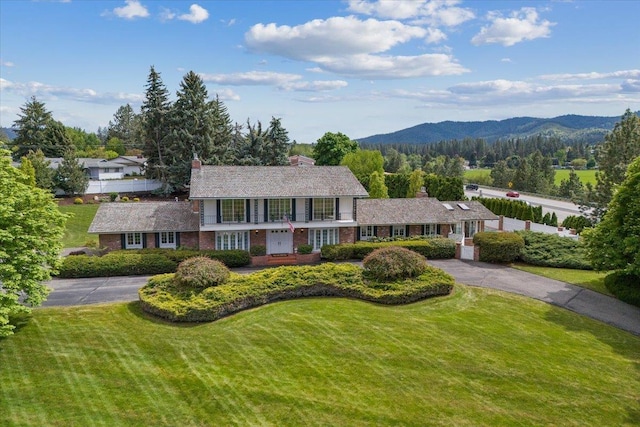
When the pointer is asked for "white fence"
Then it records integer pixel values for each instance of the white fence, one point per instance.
(122, 186)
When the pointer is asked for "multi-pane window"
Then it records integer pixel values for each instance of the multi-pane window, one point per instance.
(432, 229)
(366, 232)
(167, 239)
(232, 240)
(232, 210)
(324, 209)
(470, 228)
(320, 237)
(456, 228)
(278, 208)
(399, 231)
(133, 241)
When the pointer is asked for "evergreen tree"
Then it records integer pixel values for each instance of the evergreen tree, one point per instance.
(621, 147)
(125, 127)
(377, 187)
(70, 176)
(571, 188)
(254, 145)
(42, 170)
(276, 143)
(501, 174)
(397, 184)
(30, 128)
(56, 140)
(192, 130)
(223, 131)
(554, 220)
(155, 129)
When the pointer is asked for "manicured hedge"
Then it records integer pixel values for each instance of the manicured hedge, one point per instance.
(163, 297)
(625, 286)
(498, 247)
(115, 264)
(551, 250)
(142, 262)
(432, 248)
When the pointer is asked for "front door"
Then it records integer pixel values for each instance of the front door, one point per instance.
(279, 242)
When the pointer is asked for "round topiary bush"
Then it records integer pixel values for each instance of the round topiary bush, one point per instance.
(392, 263)
(201, 273)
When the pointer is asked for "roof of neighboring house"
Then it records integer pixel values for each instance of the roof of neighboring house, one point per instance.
(240, 182)
(86, 162)
(423, 210)
(130, 160)
(299, 160)
(144, 217)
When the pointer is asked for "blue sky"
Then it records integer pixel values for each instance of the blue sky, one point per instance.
(359, 67)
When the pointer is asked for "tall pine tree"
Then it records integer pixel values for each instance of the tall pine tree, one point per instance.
(30, 128)
(155, 129)
(276, 144)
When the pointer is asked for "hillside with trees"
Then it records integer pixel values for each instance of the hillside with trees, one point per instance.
(568, 129)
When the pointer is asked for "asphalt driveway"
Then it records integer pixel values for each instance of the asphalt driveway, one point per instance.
(68, 292)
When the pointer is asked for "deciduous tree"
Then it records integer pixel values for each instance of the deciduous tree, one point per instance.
(332, 147)
(362, 163)
(31, 228)
(377, 187)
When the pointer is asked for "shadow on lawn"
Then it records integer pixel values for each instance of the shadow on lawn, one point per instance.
(135, 309)
(615, 341)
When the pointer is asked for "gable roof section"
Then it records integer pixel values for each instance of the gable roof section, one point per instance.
(243, 182)
(424, 210)
(144, 217)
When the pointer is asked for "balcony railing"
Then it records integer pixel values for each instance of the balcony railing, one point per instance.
(262, 219)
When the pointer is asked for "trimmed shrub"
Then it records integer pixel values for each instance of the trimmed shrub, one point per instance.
(550, 250)
(78, 201)
(115, 264)
(625, 286)
(201, 272)
(124, 199)
(258, 250)
(305, 249)
(430, 248)
(392, 263)
(113, 196)
(577, 222)
(136, 199)
(162, 297)
(498, 247)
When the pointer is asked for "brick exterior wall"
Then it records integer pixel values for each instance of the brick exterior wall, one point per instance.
(300, 237)
(382, 231)
(347, 234)
(189, 240)
(258, 239)
(415, 230)
(206, 240)
(110, 241)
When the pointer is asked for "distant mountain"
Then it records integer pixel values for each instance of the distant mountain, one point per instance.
(9, 132)
(568, 128)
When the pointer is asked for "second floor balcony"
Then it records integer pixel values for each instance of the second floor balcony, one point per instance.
(276, 219)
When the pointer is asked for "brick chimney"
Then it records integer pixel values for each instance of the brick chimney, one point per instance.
(422, 193)
(195, 163)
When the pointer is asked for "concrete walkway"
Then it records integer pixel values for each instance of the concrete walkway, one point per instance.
(580, 300)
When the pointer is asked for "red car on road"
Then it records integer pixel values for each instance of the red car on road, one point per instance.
(513, 194)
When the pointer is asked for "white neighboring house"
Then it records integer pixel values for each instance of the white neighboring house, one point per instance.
(96, 169)
(132, 165)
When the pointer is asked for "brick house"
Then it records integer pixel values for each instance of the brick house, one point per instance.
(280, 208)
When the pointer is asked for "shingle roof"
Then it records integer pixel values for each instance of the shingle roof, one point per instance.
(425, 210)
(144, 217)
(239, 182)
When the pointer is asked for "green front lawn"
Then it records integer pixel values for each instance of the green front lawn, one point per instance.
(481, 175)
(589, 279)
(478, 357)
(76, 234)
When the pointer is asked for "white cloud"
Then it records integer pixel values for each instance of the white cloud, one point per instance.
(196, 15)
(624, 74)
(521, 25)
(166, 14)
(426, 11)
(506, 60)
(132, 10)
(45, 91)
(226, 94)
(283, 81)
(434, 35)
(350, 46)
(7, 64)
(631, 86)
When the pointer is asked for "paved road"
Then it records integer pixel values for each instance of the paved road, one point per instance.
(583, 301)
(561, 208)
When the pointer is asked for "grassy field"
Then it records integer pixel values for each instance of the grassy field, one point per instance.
(481, 175)
(76, 232)
(477, 358)
(589, 279)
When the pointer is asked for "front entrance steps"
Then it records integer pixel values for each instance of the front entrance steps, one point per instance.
(282, 259)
